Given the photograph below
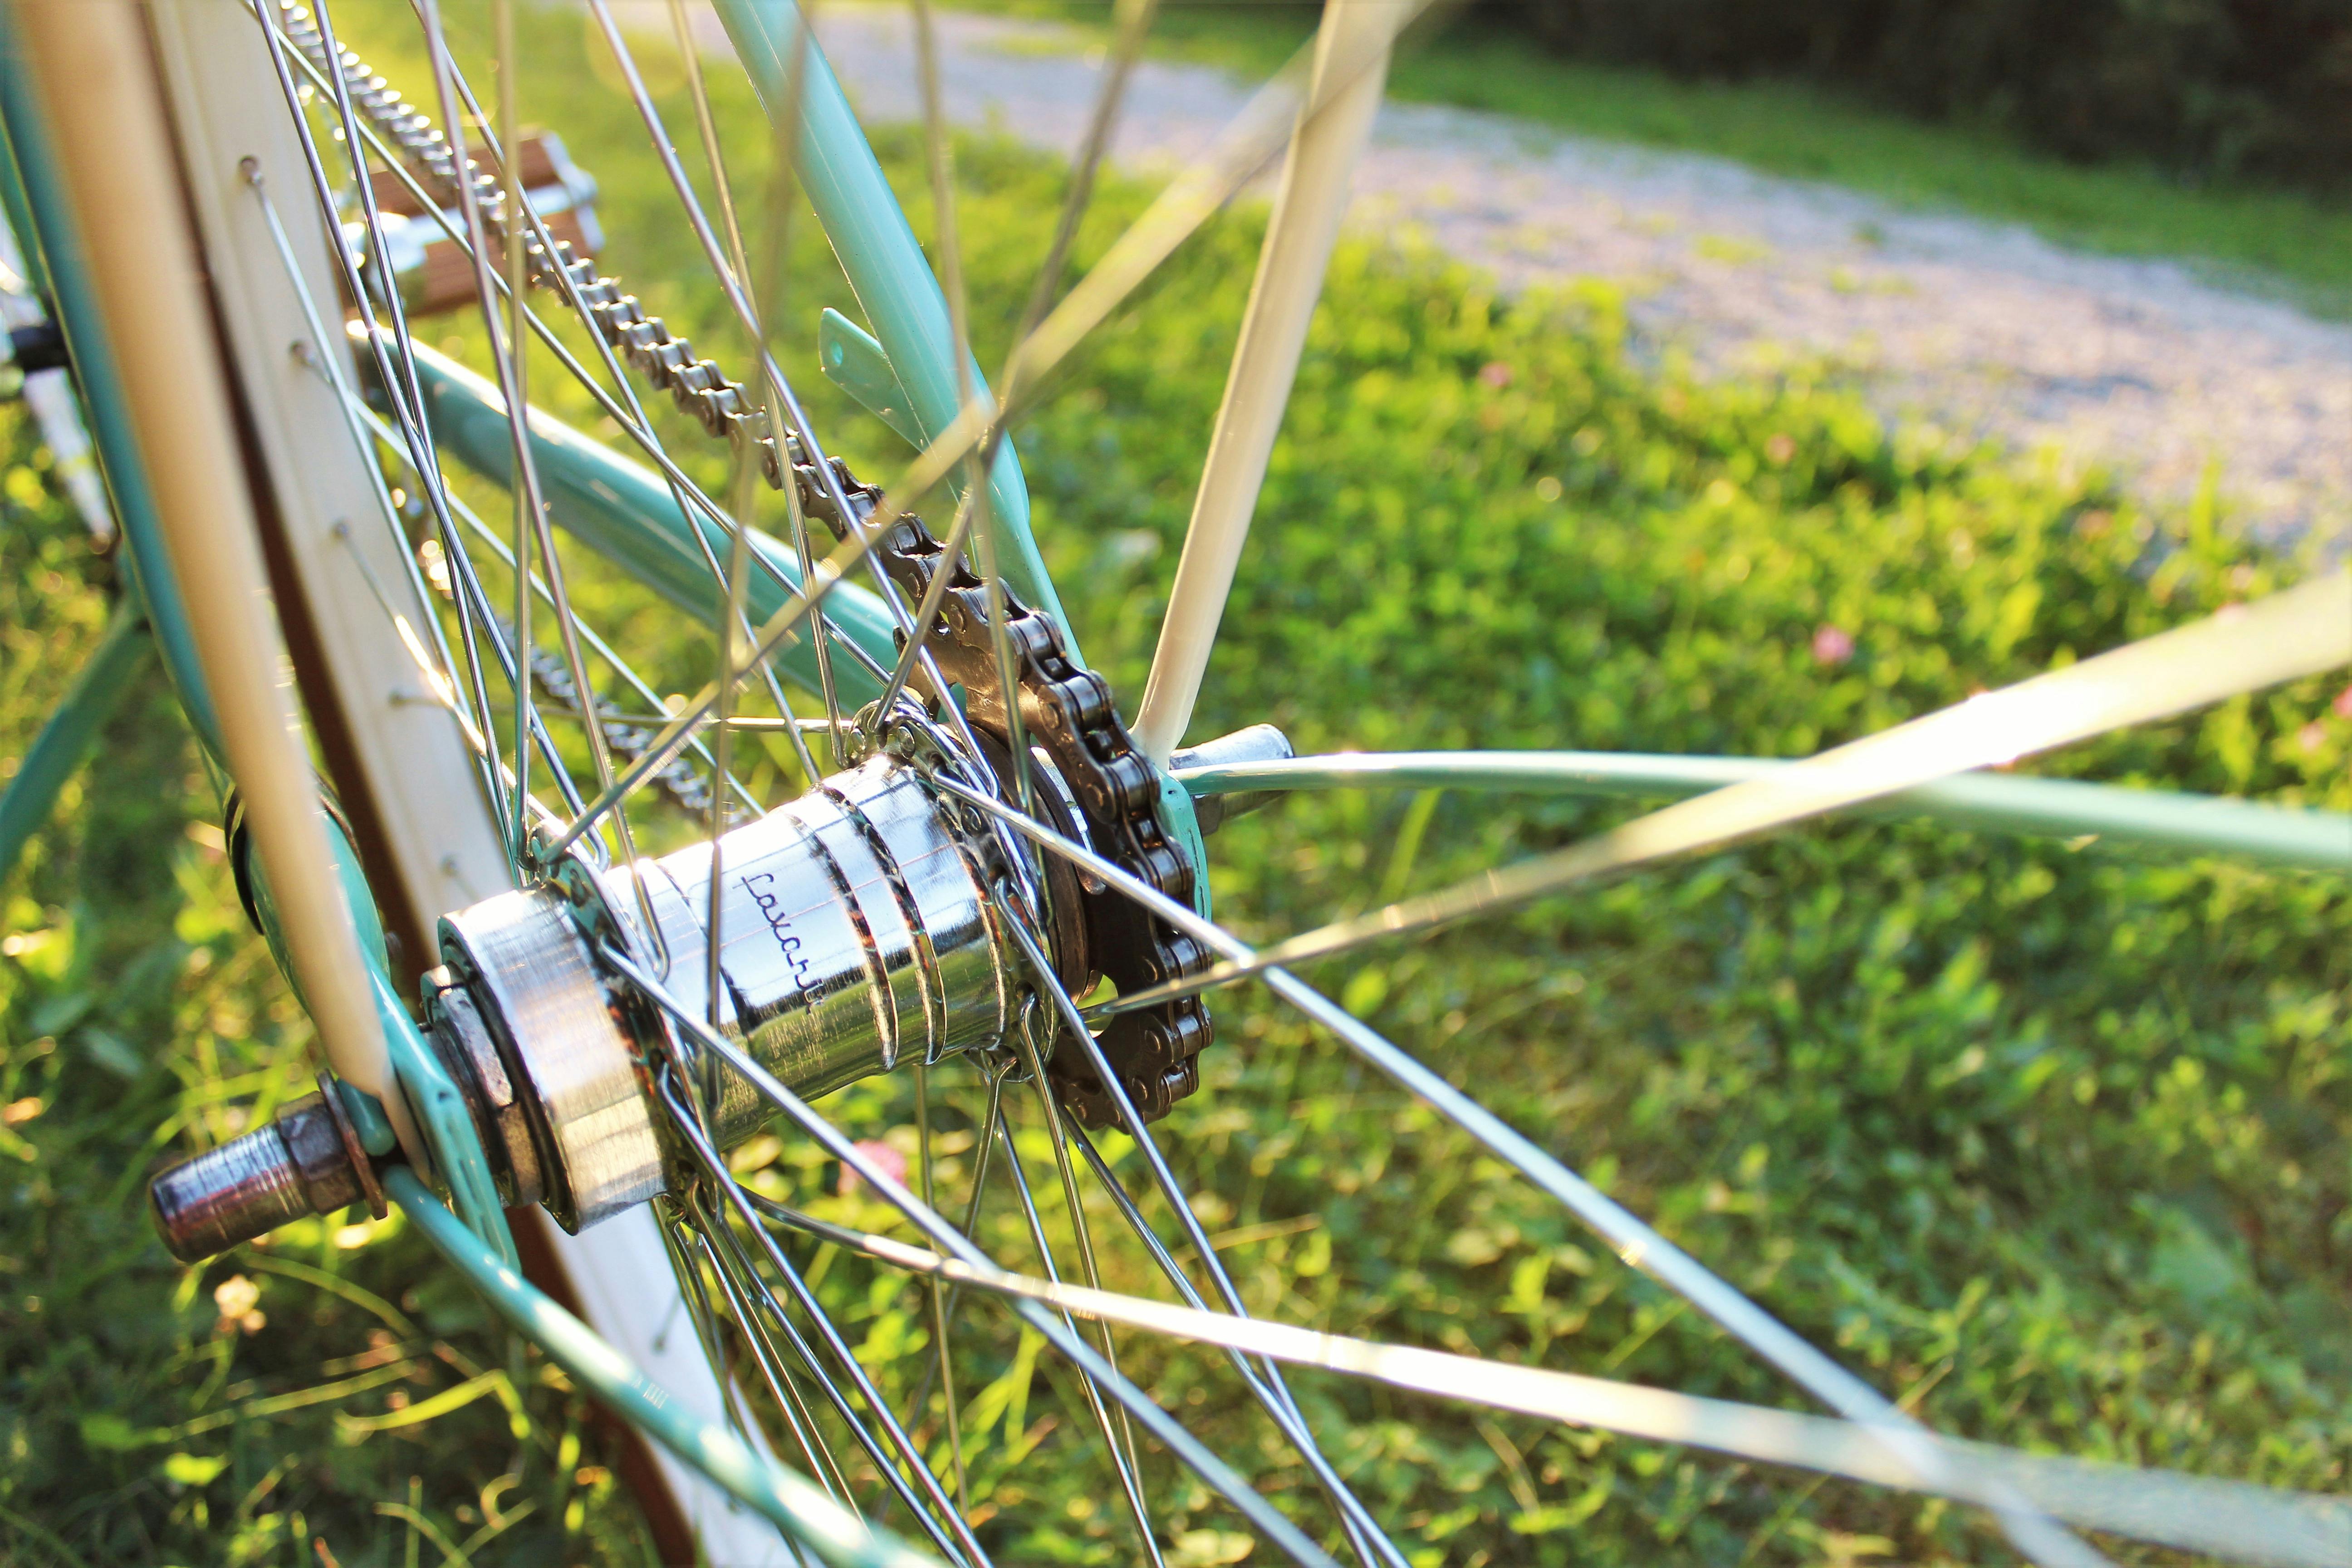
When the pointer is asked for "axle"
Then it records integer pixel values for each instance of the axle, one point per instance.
(857, 936)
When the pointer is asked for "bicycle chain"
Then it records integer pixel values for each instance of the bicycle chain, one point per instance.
(680, 780)
(1065, 709)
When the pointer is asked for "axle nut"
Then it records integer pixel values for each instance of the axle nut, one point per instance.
(300, 1165)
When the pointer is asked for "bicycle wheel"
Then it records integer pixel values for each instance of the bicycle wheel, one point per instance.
(966, 901)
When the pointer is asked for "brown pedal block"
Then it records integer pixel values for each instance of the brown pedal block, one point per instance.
(435, 275)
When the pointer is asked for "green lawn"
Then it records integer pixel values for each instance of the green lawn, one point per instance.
(2271, 240)
(2049, 1139)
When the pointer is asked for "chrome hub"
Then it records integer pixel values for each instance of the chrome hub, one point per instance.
(855, 935)
(858, 934)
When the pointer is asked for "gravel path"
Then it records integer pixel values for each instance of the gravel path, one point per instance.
(1956, 324)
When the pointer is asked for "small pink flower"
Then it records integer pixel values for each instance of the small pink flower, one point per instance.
(1832, 646)
(1495, 374)
(2342, 706)
(2312, 736)
(882, 1157)
(2227, 612)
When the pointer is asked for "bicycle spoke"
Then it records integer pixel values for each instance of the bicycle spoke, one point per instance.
(1262, 129)
(1132, 22)
(405, 392)
(916, 1486)
(444, 694)
(1171, 1433)
(731, 286)
(1301, 233)
(1197, 193)
(588, 633)
(1633, 1240)
(322, 360)
(507, 358)
(2302, 631)
(976, 466)
(524, 496)
(706, 128)
(1130, 25)
(477, 623)
(2164, 1507)
(1200, 191)
(942, 1359)
(1263, 1379)
(1081, 1234)
(778, 388)
(739, 1281)
(627, 414)
(399, 382)
(1368, 1536)
(620, 667)
(714, 905)
(1118, 1455)
(696, 1297)
(996, 1074)
(786, 131)
(686, 497)
(1369, 1539)
(498, 782)
(698, 711)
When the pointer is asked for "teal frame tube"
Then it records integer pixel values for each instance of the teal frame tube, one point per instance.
(626, 512)
(2205, 824)
(65, 741)
(795, 1503)
(883, 262)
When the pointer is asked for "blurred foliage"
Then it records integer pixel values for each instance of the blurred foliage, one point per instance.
(2209, 89)
(2047, 1139)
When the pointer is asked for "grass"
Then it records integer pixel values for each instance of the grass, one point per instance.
(2047, 1139)
(152, 1414)
(2274, 240)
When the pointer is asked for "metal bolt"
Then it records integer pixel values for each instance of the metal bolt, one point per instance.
(306, 1162)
